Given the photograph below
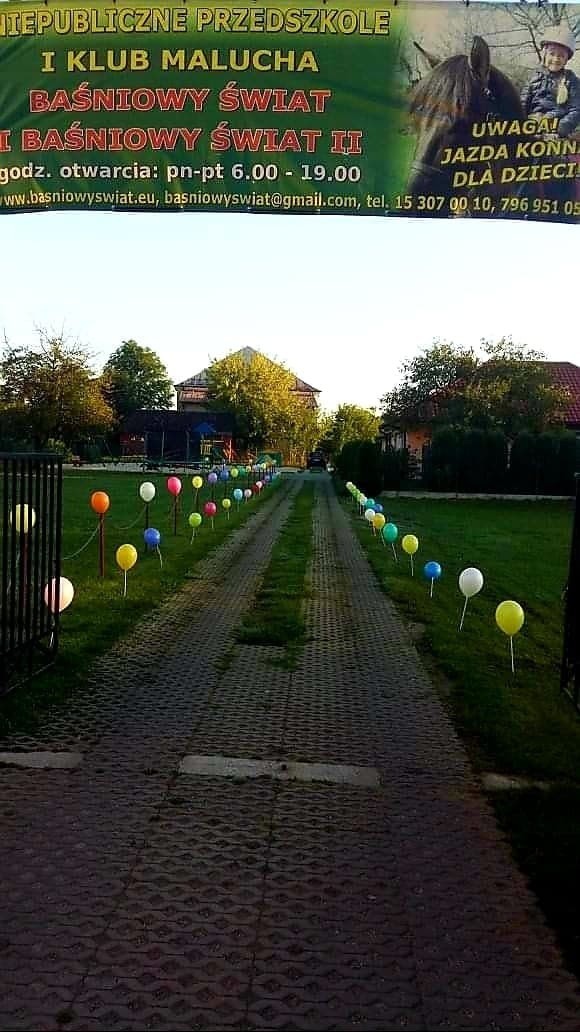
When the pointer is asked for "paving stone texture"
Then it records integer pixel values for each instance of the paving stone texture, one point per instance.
(135, 896)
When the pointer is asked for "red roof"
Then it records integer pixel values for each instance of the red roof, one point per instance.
(567, 375)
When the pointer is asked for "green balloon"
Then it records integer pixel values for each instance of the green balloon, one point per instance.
(194, 519)
(370, 503)
(390, 532)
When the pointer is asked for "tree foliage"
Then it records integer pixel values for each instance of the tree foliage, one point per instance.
(136, 379)
(51, 391)
(349, 423)
(260, 394)
(508, 388)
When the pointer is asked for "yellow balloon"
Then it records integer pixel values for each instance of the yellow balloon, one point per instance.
(410, 544)
(226, 503)
(509, 617)
(197, 482)
(379, 521)
(234, 472)
(126, 556)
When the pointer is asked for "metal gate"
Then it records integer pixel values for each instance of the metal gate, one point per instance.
(570, 676)
(30, 545)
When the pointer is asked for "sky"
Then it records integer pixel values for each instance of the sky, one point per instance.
(340, 300)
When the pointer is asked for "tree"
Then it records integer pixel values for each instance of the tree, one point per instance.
(512, 390)
(509, 389)
(349, 423)
(435, 369)
(53, 391)
(136, 379)
(260, 395)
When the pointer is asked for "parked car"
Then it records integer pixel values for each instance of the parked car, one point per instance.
(316, 460)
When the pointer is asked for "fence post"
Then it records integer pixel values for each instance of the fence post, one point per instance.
(570, 669)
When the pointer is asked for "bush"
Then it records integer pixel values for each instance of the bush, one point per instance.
(396, 468)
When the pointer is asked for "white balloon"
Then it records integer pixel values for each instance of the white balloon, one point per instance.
(147, 491)
(65, 597)
(363, 499)
(24, 518)
(370, 515)
(470, 581)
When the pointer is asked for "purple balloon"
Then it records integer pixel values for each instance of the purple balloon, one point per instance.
(212, 478)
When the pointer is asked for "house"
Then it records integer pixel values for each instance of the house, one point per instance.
(193, 393)
(198, 429)
(418, 430)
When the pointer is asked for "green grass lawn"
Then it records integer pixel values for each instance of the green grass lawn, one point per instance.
(277, 616)
(99, 615)
(518, 725)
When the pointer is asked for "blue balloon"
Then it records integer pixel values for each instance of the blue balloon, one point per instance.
(225, 474)
(432, 570)
(238, 494)
(152, 537)
(378, 507)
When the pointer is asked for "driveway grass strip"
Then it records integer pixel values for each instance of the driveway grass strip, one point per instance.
(277, 616)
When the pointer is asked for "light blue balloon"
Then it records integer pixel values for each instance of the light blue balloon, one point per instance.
(238, 494)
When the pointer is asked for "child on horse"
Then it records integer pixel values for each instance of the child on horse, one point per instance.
(554, 90)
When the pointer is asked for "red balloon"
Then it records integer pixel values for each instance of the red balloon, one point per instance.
(210, 508)
(255, 489)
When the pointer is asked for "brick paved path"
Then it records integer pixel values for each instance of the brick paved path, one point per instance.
(136, 897)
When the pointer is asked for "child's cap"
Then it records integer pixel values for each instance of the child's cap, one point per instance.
(562, 36)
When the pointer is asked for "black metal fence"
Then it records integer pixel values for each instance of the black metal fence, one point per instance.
(30, 546)
(570, 676)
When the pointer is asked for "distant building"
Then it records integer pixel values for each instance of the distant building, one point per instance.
(193, 393)
(198, 429)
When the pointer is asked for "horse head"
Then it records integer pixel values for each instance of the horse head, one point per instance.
(454, 95)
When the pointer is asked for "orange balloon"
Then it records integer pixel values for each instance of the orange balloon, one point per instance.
(100, 502)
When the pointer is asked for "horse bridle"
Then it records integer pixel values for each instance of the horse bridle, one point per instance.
(421, 168)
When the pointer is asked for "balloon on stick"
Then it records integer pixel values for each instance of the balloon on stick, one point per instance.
(432, 571)
(126, 556)
(390, 534)
(247, 494)
(238, 495)
(210, 509)
(470, 584)
(194, 520)
(58, 599)
(410, 544)
(234, 472)
(226, 504)
(100, 504)
(509, 617)
(378, 524)
(196, 483)
(147, 494)
(174, 488)
(153, 540)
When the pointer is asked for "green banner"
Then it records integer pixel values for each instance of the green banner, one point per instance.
(424, 109)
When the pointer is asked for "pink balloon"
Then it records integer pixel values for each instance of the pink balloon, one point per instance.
(259, 485)
(174, 485)
(210, 508)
